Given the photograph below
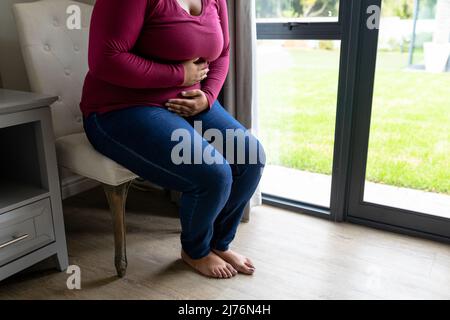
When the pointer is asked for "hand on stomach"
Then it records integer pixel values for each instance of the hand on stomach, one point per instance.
(192, 100)
(195, 71)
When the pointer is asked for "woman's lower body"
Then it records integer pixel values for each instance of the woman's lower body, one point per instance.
(147, 140)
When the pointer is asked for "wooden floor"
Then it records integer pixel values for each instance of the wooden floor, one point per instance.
(297, 257)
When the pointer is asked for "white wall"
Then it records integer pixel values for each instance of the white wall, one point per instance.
(13, 76)
(12, 69)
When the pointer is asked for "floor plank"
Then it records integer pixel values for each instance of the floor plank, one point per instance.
(296, 256)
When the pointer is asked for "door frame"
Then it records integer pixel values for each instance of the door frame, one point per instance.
(359, 211)
(346, 30)
(359, 48)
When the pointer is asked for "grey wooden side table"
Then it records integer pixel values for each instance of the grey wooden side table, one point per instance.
(31, 219)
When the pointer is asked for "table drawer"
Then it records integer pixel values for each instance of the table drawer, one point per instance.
(25, 229)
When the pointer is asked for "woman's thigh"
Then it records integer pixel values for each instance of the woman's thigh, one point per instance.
(246, 149)
(142, 139)
(216, 118)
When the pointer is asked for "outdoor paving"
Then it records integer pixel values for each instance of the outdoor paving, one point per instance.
(316, 188)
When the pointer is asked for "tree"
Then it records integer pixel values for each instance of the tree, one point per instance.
(320, 8)
(271, 8)
(314, 8)
(295, 8)
(403, 9)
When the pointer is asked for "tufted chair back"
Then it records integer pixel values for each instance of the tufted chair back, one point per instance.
(55, 56)
(56, 62)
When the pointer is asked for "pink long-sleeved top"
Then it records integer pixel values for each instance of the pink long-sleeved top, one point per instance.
(136, 50)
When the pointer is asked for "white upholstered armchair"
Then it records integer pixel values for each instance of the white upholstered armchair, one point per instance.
(56, 63)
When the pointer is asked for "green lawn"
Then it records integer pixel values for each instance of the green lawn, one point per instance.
(410, 133)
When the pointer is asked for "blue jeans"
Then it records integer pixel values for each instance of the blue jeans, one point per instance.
(214, 195)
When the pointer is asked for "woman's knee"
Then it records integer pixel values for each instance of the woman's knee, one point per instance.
(255, 153)
(219, 177)
(261, 155)
(256, 160)
(215, 179)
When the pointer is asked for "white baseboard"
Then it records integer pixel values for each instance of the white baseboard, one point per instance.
(75, 184)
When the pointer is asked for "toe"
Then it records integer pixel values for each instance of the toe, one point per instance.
(249, 263)
(214, 273)
(218, 273)
(247, 270)
(232, 270)
(251, 270)
(230, 273)
(225, 272)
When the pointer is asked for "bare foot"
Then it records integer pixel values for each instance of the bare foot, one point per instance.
(238, 261)
(211, 266)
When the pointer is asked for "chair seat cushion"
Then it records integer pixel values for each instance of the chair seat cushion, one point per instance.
(76, 153)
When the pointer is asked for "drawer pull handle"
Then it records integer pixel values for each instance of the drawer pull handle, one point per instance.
(15, 240)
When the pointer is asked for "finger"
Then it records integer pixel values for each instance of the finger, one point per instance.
(181, 111)
(204, 72)
(202, 66)
(202, 75)
(183, 102)
(192, 93)
(178, 108)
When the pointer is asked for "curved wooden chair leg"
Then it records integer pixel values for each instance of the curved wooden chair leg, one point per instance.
(117, 198)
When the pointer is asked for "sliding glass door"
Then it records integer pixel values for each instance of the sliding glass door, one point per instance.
(299, 57)
(354, 105)
(401, 151)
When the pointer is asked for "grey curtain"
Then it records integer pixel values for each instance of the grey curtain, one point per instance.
(240, 88)
(239, 95)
